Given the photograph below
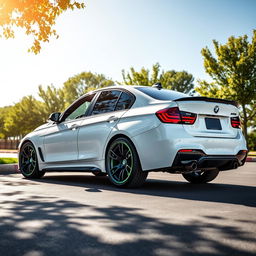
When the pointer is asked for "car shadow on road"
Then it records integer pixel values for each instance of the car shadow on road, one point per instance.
(210, 192)
(41, 225)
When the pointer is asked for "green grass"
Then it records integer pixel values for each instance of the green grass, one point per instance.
(8, 160)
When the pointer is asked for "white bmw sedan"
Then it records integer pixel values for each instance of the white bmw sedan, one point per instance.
(127, 131)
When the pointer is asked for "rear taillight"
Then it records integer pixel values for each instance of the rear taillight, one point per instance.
(185, 150)
(175, 116)
(235, 122)
(187, 117)
(169, 115)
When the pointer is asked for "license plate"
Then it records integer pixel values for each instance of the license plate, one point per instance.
(213, 123)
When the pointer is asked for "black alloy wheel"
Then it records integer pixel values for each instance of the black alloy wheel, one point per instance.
(201, 176)
(28, 162)
(123, 165)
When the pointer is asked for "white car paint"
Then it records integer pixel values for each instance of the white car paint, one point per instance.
(82, 142)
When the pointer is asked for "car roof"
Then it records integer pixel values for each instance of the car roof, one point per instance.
(131, 88)
(143, 93)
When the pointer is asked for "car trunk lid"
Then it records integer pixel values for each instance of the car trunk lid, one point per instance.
(213, 116)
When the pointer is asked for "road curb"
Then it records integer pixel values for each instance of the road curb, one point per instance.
(251, 159)
(9, 151)
(9, 168)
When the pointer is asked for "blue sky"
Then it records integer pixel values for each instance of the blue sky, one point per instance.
(111, 35)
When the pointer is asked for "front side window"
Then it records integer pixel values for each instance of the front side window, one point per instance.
(106, 102)
(80, 108)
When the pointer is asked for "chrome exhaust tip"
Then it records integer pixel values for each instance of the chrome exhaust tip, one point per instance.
(190, 166)
(235, 165)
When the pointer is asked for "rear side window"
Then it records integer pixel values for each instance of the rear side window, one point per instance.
(124, 101)
(162, 94)
(106, 102)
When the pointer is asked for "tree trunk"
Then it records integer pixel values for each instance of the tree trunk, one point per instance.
(245, 124)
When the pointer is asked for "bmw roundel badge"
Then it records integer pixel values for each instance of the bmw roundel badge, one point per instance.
(216, 109)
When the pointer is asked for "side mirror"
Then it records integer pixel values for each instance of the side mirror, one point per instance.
(55, 117)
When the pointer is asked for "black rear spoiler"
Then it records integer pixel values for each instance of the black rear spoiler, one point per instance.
(231, 102)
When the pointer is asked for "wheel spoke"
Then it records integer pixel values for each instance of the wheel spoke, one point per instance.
(128, 154)
(32, 153)
(118, 173)
(30, 168)
(114, 156)
(121, 174)
(121, 148)
(115, 169)
(28, 151)
(23, 165)
(24, 153)
(128, 167)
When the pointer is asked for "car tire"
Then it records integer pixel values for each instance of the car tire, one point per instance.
(28, 162)
(200, 176)
(123, 164)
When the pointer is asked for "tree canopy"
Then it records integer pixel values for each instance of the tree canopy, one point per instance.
(233, 73)
(36, 17)
(53, 99)
(251, 140)
(23, 117)
(180, 81)
(84, 82)
(3, 113)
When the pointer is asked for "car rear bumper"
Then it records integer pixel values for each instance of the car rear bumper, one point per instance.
(159, 149)
(198, 160)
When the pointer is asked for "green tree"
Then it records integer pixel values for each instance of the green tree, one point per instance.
(80, 84)
(171, 79)
(36, 17)
(252, 140)
(233, 73)
(2, 117)
(1, 127)
(23, 117)
(3, 114)
(53, 100)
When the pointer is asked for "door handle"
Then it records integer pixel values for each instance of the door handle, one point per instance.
(112, 119)
(73, 127)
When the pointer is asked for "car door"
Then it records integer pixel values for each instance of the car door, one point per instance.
(95, 129)
(60, 142)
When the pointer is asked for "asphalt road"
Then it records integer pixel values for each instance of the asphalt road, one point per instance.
(79, 214)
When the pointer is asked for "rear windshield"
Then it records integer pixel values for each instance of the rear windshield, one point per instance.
(162, 94)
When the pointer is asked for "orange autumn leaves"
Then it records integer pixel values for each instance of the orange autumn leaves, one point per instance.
(36, 17)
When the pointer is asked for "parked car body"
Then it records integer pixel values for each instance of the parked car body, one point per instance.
(128, 131)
